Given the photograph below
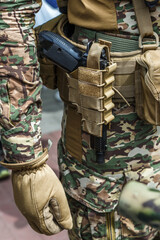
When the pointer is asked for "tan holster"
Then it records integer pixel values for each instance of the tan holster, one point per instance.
(90, 90)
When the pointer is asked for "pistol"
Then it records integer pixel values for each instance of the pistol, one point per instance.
(68, 57)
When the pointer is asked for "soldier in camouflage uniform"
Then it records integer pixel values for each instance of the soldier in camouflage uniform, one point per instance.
(20, 101)
(92, 189)
(132, 153)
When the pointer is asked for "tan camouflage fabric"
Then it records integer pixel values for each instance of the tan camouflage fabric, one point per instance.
(133, 147)
(20, 84)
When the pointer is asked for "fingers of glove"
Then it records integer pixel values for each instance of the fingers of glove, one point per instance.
(61, 212)
(37, 228)
(58, 204)
(50, 221)
(50, 230)
(48, 227)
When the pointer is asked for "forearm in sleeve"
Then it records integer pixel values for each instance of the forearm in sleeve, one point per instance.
(20, 84)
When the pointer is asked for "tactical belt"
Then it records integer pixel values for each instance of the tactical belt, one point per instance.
(118, 44)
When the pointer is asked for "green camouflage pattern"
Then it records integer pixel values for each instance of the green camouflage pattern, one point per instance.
(133, 149)
(132, 146)
(126, 17)
(89, 224)
(132, 153)
(127, 23)
(141, 202)
(20, 84)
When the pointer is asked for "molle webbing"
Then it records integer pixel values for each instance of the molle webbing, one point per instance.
(88, 97)
(90, 90)
(124, 84)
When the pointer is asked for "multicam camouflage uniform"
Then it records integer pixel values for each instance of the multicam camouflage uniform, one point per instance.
(20, 84)
(132, 153)
(132, 146)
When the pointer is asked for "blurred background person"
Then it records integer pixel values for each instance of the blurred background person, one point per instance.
(48, 11)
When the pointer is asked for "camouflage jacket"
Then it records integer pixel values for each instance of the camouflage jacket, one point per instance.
(20, 83)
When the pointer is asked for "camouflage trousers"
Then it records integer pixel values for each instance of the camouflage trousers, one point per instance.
(132, 153)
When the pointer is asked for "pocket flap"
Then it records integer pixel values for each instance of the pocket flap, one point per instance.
(150, 60)
(90, 188)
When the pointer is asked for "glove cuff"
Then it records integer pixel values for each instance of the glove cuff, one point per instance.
(27, 165)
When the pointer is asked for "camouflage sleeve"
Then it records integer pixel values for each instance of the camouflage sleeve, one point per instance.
(20, 84)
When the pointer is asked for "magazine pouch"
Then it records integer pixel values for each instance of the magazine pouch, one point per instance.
(90, 89)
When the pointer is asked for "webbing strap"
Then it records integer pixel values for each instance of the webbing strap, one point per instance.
(73, 133)
(143, 18)
(93, 59)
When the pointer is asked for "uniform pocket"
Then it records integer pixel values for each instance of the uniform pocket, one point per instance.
(91, 189)
(148, 87)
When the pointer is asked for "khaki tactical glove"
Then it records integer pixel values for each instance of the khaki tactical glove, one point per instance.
(40, 197)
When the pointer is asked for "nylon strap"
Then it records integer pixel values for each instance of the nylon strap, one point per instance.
(143, 18)
(93, 59)
(73, 133)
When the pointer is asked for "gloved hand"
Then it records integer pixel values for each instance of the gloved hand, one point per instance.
(40, 197)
